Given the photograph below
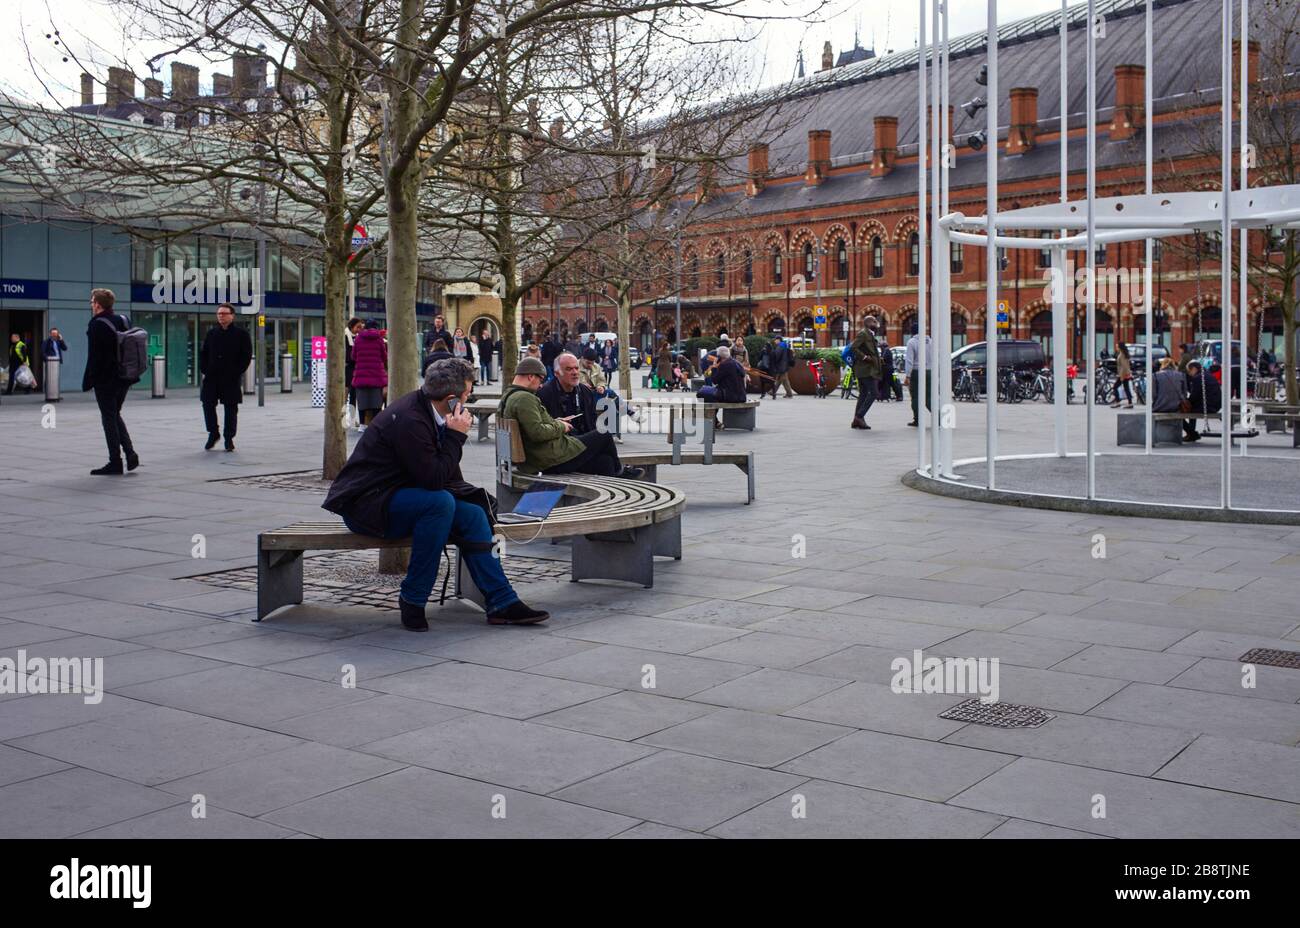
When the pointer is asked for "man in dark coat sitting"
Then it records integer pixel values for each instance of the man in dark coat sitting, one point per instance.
(1205, 396)
(565, 396)
(728, 380)
(404, 479)
(226, 353)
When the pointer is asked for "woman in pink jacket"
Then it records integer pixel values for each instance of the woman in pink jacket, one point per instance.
(370, 376)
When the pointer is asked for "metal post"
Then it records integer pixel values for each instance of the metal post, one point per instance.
(286, 373)
(1062, 337)
(1243, 265)
(51, 382)
(261, 318)
(1149, 131)
(939, 307)
(679, 284)
(158, 380)
(922, 407)
(1225, 253)
(1090, 348)
(991, 252)
(1060, 389)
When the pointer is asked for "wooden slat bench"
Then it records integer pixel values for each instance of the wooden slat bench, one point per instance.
(617, 527)
(1130, 427)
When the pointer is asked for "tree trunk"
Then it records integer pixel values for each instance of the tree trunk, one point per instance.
(335, 452)
(625, 337)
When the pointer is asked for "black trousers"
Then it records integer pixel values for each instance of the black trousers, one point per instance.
(110, 398)
(866, 396)
(913, 389)
(231, 417)
(600, 457)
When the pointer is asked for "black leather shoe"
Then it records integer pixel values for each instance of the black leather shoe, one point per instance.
(632, 473)
(112, 468)
(517, 614)
(213, 438)
(230, 444)
(412, 616)
(132, 461)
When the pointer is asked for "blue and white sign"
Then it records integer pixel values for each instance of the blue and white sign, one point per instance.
(13, 288)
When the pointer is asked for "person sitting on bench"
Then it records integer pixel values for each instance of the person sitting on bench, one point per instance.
(1205, 396)
(565, 396)
(403, 479)
(549, 448)
(725, 382)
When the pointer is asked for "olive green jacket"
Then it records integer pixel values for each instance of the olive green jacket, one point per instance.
(866, 356)
(546, 444)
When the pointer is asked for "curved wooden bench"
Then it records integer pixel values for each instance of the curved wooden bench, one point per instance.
(618, 527)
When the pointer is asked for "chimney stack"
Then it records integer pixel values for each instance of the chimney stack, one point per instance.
(1252, 67)
(87, 90)
(1024, 120)
(885, 145)
(758, 169)
(153, 88)
(1130, 101)
(221, 85)
(121, 86)
(828, 57)
(249, 75)
(952, 120)
(185, 81)
(819, 156)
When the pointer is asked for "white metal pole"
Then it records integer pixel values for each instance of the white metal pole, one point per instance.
(939, 306)
(1060, 307)
(1243, 266)
(946, 134)
(922, 407)
(1225, 252)
(1149, 126)
(1090, 348)
(943, 302)
(991, 252)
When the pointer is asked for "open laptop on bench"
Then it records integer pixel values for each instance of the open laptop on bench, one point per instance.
(535, 504)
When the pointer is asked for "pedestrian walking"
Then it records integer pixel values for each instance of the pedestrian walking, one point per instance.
(351, 418)
(1123, 376)
(912, 362)
(18, 359)
(104, 375)
(485, 351)
(226, 353)
(866, 368)
(370, 378)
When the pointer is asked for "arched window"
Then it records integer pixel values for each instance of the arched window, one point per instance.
(778, 272)
(913, 255)
(695, 272)
(719, 271)
(1045, 256)
(956, 258)
(808, 268)
(749, 268)
(877, 257)
(958, 330)
(842, 260)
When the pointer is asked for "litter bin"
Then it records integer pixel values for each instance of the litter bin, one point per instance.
(159, 386)
(250, 379)
(52, 366)
(286, 373)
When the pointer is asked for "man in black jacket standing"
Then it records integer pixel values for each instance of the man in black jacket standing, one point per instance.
(404, 479)
(226, 353)
(101, 376)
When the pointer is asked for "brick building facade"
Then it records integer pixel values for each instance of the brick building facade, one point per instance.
(843, 213)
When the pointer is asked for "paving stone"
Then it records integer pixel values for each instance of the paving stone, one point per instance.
(29, 715)
(1237, 765)
(420, 803)
(746, 737)
(357, 723)
(878, 708)
(1020, 829)
(765, 649)
(769, 690)
(859, 662)
(1227, 645)
(1177, 615)
(1136, 807)
(276, 779)
(243, 694)
(804, 597)
(510, 649)
(19, 634)
(1052, 689)
(522, 755)
(16, 765)
(725, 612)
(179, 822)
(1205, 713)
(1224, 676)
(1099, 631)
(73, 801)
(488, 689)
(262, 650)
(834, 810)
(854, 629)
(994, 618)
(674, 674)
(1008, 648)
(632, 631)
(626, 716)
(1041, 581)
(662, 832)
(368, 663)
(681, 790)
(154, 744)
(1106, 744)
(1126, 664)
(894, 764)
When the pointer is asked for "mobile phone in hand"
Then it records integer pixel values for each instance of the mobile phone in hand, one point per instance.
(453, 405)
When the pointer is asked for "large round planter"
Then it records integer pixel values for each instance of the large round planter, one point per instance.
(801, 378)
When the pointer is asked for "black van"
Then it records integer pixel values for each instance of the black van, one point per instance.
(1026, 356)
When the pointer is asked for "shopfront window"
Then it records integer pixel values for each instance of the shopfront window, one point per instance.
(146, 257)
(214, 251)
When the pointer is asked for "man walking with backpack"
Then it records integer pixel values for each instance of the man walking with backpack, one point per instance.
(111, 368)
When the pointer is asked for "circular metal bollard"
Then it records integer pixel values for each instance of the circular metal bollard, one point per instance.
(52, 391)
(158, 388)
(286, 373)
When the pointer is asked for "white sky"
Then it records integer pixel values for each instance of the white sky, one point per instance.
(91, 30)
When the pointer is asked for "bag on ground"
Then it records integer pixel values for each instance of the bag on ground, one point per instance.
(24, 377)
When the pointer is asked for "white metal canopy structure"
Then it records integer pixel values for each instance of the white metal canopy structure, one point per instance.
(1074, 225)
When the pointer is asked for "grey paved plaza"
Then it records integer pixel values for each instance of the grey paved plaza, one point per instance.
(771, 713)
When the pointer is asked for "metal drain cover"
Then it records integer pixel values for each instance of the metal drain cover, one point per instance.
(1273, 657)
(997, 714)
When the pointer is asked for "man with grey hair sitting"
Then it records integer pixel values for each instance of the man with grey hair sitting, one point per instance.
(727, 380)
(403, 479)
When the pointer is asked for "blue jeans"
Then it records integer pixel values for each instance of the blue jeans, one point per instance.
(430, 517)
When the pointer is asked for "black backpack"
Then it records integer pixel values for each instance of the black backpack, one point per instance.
(132, 352)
